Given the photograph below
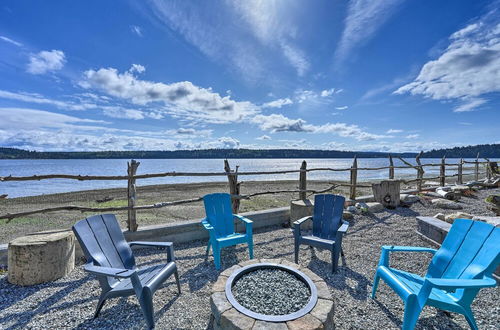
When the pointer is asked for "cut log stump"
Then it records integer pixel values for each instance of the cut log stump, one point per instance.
(387, 193)
(299, 209)
(41, 257)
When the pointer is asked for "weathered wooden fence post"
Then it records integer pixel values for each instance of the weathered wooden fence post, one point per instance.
(391, 168)
(420, 171)
(354, 177)
(234, 186)
(460, 178)
(476, 168)
(442, 172)
(303, 181)
(131, 194)
(488, 169)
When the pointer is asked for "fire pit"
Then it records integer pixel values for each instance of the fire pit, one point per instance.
(271, 294)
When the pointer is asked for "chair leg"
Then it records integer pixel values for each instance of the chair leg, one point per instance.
(176, 274)
(411, 314)
(216, 250)
(376, 280)
(100, 303)
(146, 302)
(470, 319)
(250, 247)
(335, 257)
(297, 247)
(208, 248)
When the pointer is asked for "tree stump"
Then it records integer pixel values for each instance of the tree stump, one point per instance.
(41, 257)
(299, 209)
(387, 193)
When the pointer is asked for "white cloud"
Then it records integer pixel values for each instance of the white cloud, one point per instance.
(229, 142)
(188, 133)
(137, 68)
(10, 41)
(278, 123)
(297, 59)
(323, 97)
(467, 69)
(264, 137)
(412, 136)
(46, 61)
(469, 104)
(364, 18)
(182, 99)
(345, 107)
(394, 131)
(136, 30)
(327, 92)
(277, 103)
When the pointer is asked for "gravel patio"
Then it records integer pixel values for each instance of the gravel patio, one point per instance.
(70, 302)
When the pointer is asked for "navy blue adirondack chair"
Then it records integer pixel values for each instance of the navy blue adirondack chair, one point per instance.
(327, 229)
(219, 222)
(110, 257)
(459, 269)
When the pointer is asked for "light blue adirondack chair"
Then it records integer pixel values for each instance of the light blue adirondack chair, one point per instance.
(459, 269)
(219, 222)
(328, 227)
(110, 257)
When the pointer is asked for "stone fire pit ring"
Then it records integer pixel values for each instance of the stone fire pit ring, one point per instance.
(264, 317)
(318, 315)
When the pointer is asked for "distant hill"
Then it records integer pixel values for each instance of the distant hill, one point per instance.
(484, 150)
(11, 153)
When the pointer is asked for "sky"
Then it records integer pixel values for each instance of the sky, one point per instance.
(367, 75)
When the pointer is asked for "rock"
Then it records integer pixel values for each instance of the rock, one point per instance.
(375, 207)
(362, 206)
(349, 202)
(323, 311)
(220, 284)
(219, 304)
(230, 270)
(440, 216)
(446, 204)
(408, 198)
(352, 209)
(263, 325)
(306, 322)
(347, 215)
(495, 221)
(232, 319)
(457, 215)
(300, 209)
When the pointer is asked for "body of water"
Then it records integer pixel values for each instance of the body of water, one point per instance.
(28, 167)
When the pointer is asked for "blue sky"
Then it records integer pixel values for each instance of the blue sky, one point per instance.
(379, 75)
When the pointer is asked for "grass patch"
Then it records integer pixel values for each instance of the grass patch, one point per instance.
(22, 221)
(113, 203)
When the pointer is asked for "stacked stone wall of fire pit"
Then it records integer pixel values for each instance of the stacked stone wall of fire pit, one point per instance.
(225, 316)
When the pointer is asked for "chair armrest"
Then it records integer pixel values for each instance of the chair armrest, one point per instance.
(301, 220)
(394, 248)
(207, 224)
(168, 245)
(447, 283)
(242, 218)
(108, 271)
(344, 227)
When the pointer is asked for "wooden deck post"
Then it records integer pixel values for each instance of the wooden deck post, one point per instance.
(460, 179)
(420, 171)
(303, 181)
(354, 177)
(488, 169)
(476, 168)
(442, 172)
(234, 186)
(391, 168)
(131, 194)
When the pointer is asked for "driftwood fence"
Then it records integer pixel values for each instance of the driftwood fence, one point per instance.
(234, 185)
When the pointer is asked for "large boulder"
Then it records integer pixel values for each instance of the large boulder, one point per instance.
(375, 207)
(446, 204)
(440, 216)
(347, 215)
(409, 198)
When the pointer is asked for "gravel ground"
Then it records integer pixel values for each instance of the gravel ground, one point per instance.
(271, 292)
(70, 302)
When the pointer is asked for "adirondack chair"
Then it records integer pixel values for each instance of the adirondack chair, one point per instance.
(219, 222)
(459, 269)
(328, 227)
(110, 257)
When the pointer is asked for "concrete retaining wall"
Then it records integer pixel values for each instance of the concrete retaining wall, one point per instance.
(185, 231)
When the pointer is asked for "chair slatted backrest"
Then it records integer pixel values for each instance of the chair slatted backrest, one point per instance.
(219, 213)
(328, 209)
(103, 242)
(470, 250)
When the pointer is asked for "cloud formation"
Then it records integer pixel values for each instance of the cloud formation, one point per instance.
(10, 41)
(466, 70)
(277, 103)
(46, 61)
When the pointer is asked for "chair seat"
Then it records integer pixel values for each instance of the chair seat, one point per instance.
(317, 241)
(231, 237)
(413, 283)
(150, 277)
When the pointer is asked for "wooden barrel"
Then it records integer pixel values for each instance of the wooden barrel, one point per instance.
(41, 257)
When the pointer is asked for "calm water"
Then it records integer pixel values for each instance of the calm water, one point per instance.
(119, 167)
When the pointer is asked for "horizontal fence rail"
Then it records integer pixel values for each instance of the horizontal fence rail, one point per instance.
(234, 185)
